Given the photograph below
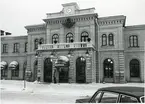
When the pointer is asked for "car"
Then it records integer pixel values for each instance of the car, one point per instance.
(120, 94)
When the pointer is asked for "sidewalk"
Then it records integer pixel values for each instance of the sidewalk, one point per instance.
(81, 89)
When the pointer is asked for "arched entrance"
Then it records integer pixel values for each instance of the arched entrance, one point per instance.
(48, 70)
(35, 70)
(134, 69)
(62, 67)
(108, 70)
(80, 70)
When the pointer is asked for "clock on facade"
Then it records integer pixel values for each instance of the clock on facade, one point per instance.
(69, 10)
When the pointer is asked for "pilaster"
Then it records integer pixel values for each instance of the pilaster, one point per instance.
(71, 71)
(40, 69)
(48, 35)
(88, 69)
(77, 37)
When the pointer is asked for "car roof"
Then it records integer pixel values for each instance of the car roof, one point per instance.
(134, 91)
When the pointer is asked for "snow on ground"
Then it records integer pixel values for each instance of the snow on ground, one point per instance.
(13, 91)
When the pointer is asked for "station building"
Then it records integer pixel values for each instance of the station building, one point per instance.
(76, 46)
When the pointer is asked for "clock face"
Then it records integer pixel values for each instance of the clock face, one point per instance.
(69, 10)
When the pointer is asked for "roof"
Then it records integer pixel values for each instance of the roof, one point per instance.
(134, 91)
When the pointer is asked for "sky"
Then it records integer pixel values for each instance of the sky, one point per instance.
(16, 14)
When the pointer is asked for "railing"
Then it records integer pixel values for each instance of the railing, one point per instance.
(65, 46)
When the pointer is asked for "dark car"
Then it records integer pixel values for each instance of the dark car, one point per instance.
(116, 95)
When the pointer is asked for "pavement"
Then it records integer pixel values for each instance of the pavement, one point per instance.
(13, 91)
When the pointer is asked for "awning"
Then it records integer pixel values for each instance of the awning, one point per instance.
(13, 65)
(3, 65)
(62, 61)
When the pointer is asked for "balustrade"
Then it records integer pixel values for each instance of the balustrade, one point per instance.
(65, 45)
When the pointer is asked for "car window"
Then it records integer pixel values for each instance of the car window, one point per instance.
(96, 98)
(142, 99)
(128, 99)
(109, 97)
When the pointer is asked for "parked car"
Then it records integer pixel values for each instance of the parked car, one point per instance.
(116, 95)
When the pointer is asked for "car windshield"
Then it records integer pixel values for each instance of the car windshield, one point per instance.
(142, 99)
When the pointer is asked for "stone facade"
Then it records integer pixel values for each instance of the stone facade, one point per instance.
(87, 57)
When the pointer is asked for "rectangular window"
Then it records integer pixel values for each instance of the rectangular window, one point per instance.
(26, 46)
(5, 48)
(15, 73)
(16, 47)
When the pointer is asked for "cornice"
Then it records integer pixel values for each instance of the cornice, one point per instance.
(135, 27)
(34, 28)
(13, 37)
(76, 18)
(120, 19)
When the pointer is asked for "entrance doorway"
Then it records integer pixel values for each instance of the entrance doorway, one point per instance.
(134, 70)
(80, 70)
(108, 70)
(63, 75)
(62, 65)
(48, 70)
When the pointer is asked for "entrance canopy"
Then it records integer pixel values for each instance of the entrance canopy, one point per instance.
(3, 65)
(13, 65)
(62, 61)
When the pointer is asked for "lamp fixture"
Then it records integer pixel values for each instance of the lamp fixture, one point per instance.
(87, 53)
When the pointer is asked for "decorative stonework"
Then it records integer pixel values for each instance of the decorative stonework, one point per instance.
(68, 23)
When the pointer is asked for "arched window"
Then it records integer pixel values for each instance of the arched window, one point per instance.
(104, 40)
(69, 38)
(55, 39)
(133, 41)
(41, 41)
(36, 44)
(84, 36)
(111, 39)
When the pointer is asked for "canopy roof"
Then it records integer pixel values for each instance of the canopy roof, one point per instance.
(13, 65)
(62, 61)
(3, 65)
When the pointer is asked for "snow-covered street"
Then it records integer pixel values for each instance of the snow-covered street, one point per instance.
(42, 93)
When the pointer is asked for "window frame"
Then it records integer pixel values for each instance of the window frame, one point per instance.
(133, 41)
(5, 48)
(69, 36)
(16, 47)
(42, 40)
(104, 40)
(55, 38)
(111, 39)
(84, 36)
